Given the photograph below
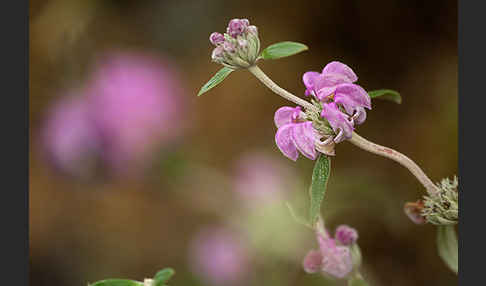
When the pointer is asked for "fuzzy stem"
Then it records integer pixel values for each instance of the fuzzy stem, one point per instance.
(256, 71)
(396, 156)
(356, 139)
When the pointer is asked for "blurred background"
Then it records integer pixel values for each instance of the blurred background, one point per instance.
(130, 172)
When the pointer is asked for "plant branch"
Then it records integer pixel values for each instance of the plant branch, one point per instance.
(395, 156)
(258, 73)
(356, 139)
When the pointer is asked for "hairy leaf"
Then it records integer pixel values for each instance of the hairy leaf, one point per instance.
(320, 176)
(447, 246)
(282, 49)
(215, 80)
(387, 94)
(163, 276)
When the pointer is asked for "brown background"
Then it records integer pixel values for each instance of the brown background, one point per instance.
(82, 232)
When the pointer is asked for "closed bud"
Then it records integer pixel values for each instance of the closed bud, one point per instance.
(216, 38)
(414, 212)
(240, 45)
(346, 235)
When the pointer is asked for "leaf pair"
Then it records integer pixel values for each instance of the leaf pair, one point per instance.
(272, 52)
(160, 279)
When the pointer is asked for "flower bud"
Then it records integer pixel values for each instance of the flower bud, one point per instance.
(217, 53)
(216, 38)
(414, 212)
(229, 47)
(236, 27)
(252, 30)
(241, 45)
(442, 208)
(346, 235)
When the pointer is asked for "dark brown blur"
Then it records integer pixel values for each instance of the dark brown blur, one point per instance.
(130, 227)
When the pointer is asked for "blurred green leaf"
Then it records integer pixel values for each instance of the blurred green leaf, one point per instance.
(356, 255)
(297, 218)
(387, 94)
(117, 282)
(447, 246)
(357, 281)
(215, 80)
(282, 49)
(163, 276)
(320, 175)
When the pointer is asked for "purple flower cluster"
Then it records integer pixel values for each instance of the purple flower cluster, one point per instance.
(333, 258)
(129, 106)
(295, 133)
(238, 47)
(343, 102)
(343, 105)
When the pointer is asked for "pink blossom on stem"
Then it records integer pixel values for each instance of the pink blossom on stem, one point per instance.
(344, 102)
(294, 134)
(331, 259)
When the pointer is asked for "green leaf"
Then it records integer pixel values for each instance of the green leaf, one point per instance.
(117, 282)
(163, 276)
(282, 49)
(357, 281)
(215, 80)
(320, 175)
(387, 94)
(297, 218)
(447, 246)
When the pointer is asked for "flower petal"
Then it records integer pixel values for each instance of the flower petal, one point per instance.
(340, 68)
(312, 261)
(303, 136)
(338, 121)
(326, 84)
(336, 260)
(286, 114)
(309, 78)
(352, 92)
(284, 141)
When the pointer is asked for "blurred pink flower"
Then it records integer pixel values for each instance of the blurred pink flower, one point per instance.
(129, 107)
(219, 257)
(261, 178)
(69, 136)
(333, 258)
(136, 104)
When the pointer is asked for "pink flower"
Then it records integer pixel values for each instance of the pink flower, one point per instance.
(295, 135)
(129, 108)
(339, 121)
(331, 259)
(135, 103)
(69, 137)
(218, 256)
(336, 89)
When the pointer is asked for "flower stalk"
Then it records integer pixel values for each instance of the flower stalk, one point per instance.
(259, 74)
(355, 139)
